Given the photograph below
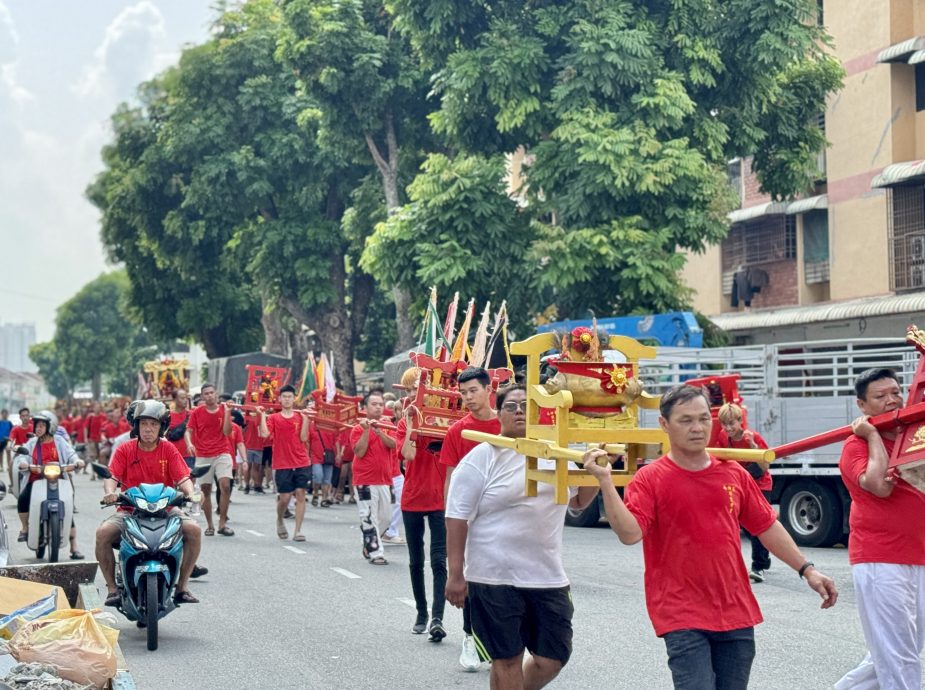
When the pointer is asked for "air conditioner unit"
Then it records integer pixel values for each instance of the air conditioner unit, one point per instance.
(917, 248)
(916, 276)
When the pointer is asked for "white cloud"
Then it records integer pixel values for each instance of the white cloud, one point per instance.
(9, 42)
(131, 51)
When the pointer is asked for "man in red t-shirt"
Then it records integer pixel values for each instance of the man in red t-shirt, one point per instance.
(687, 508)
(147, 459)
(343, 468)
(257, 449)
(372, 476)
(886, 545)
(207, 434)
(176, 432)
(422, 502)
(110, 429)
(734, 435)
(474, 385)
(94, 426)
(322, 449)
(291, 465)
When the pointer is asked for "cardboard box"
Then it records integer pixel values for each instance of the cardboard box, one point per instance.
(14, 594)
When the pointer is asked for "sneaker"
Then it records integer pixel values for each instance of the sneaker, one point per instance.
(199, 571)
(247, 490)
(259, 490)
(288, 514)
(436, 630)
(469, 657)
(756, 576)
(420, 625)
(394, 541)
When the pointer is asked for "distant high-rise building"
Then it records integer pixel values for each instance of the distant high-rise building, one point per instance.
(15, 339)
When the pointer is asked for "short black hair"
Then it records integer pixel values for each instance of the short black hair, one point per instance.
(372, 392)
(24, 409)
(504, 392)
(474, 374)
(203, 387)
(225, 397)
(678, 395)
(868, 377)
(288, 388)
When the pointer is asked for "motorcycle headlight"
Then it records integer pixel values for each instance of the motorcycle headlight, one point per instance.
(51, 472)
(136, 542)
(142, 504)
(161, 504)
(171, 541)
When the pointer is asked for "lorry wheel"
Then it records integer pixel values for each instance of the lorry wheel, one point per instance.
(811, 513)
(588, 517)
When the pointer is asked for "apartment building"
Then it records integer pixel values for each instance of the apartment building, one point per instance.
(848, 260)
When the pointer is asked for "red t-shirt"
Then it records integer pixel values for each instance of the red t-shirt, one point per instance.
(237, 436)
(375, 467)
(95, 424)
(318, 441)
(20, 434)
(110, 430)
(252, 438)
(344, 439)
(424, 476)
(766, 483)
(80, 428)
(176, 419)
(206, 431)
(883, 530)
(455, 447)
(288, 450)
(49, 454)
(695, 575)
(131, 466)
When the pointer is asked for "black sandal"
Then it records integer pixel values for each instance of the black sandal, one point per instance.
(113, 599)
(184, 598)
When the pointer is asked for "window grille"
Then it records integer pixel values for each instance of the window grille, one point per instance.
(761, 241)
(907, 237)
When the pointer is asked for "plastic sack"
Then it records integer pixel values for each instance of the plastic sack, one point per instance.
(73, 642)
(11, 623)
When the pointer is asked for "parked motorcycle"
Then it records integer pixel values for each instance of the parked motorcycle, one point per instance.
(50, 507)
(150, 553)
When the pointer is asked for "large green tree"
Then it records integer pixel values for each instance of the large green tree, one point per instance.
(628, 113)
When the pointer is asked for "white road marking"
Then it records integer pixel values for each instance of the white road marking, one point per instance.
(256, 534)
(408, 602)
(347, 574)
(294, 549)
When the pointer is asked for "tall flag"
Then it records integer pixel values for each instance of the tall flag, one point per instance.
(330, 383)
(308, 377)
(319, 372)
(461, 346)
(481, 338)
(431, 334)
(496, 334)
(449, 327)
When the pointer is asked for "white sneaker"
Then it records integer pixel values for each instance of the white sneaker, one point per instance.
(469, 657)
(394, 541)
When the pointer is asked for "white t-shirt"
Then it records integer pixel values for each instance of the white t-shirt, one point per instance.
(513, 540)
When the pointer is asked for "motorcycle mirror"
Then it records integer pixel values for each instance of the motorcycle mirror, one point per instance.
(101, 471)
(20, 450)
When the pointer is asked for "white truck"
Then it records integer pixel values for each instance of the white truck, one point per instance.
(791, 391)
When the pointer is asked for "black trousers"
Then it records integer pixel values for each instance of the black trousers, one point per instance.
(414, 535)
(761, 559)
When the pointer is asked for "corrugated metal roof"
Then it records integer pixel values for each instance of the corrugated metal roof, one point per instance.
(901, 51)
(752, 212)
(815, 313)
(899, 173)
(813, 203)
(917, 57)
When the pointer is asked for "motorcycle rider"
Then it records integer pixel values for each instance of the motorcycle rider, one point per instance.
(46, 446)
(147, 459)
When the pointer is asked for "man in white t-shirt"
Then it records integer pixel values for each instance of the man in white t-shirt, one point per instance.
(508, 548)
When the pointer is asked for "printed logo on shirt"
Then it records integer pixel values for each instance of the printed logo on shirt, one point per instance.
(731, 490)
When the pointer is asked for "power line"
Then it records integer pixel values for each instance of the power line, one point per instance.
(39, 298)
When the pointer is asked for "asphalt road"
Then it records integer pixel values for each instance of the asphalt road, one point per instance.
(312, 615)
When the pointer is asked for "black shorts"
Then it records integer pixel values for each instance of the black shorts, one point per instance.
(288, 481)
(4, 442)
(267, 455)
(506, 619)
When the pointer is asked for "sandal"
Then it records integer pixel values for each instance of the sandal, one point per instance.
(22, 536)
(226, 531)
(210, 532)
(325, 503)
(112, 599)
(184, 598)
(379, 560)
(281, 532)
(76, 556)
(299, 537)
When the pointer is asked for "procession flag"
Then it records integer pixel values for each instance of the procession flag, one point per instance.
(330, 383)
(449, 326)
(481, 338)
(461, 346)
(308, 377)
(496, 333)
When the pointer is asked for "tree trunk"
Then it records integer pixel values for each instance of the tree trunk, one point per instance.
(96, 386)
(298, 349)
(276, 339)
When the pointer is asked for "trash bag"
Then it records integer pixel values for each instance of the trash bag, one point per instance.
(73, 642)
(11, 623)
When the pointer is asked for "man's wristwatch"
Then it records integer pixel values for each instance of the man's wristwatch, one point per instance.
(804, 567)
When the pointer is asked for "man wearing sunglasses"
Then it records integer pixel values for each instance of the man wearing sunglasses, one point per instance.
(516, 584)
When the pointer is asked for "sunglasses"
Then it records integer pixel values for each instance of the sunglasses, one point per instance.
(514, 406)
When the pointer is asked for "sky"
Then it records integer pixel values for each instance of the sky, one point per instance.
(64, 67)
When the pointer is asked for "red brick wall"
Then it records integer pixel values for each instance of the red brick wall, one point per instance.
(753, 196)
(782, 289)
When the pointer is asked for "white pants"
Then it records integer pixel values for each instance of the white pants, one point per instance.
(891, 603)
(394, 530)
(375, 506)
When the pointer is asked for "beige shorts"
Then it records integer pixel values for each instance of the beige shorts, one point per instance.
(93, 450)
(219, 468)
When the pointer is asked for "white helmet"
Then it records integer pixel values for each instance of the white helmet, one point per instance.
(50, 419)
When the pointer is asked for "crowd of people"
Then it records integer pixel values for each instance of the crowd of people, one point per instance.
(686, 507)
